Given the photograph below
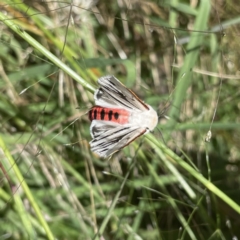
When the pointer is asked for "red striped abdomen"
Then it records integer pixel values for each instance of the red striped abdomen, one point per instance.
(120, 116)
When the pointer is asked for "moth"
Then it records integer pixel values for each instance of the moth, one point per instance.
(118, 117)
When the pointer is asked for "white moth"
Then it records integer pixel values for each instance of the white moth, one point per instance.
(118, 117)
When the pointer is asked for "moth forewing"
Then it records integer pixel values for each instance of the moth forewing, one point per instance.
(126, 140)
(113, 93)
(109, 137)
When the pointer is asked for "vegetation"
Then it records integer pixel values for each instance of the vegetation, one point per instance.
(182, 58)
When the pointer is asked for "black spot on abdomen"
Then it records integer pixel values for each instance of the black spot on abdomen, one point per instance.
(102, 114)
(116, 115)
(110, 115)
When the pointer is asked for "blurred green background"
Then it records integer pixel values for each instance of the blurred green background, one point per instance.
(182, 58)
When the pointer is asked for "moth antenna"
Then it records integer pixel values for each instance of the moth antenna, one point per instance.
(164, 110)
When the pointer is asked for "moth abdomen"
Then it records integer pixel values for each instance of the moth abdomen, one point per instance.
(116, 115)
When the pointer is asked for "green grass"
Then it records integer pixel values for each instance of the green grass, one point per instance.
(181, 59)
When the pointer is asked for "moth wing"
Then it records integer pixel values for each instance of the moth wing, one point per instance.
(112, 93)
(110, 137)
